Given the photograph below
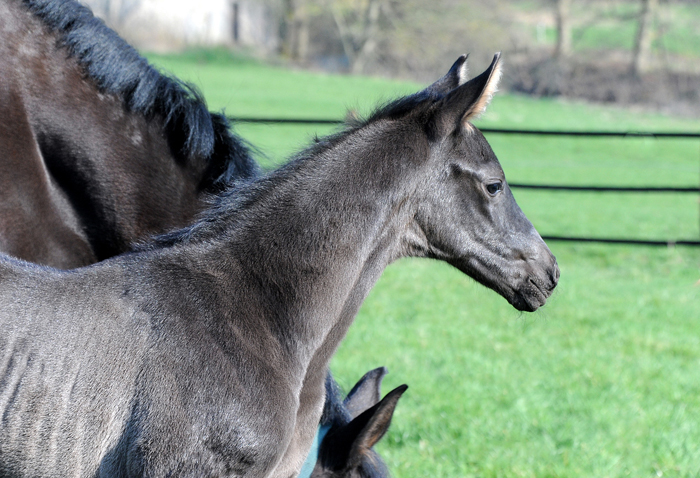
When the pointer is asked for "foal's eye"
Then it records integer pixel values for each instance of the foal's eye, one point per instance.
(494, 188)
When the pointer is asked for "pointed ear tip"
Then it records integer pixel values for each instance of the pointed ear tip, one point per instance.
(496, 69)
(459, 62)
(400, 389)
(462, 60)
(379, 371)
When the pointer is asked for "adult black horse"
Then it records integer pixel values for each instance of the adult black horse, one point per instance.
(205, 354)
(98, 149)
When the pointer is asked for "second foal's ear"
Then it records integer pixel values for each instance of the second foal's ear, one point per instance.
(467, 101)
(345, 448)
(366, 392)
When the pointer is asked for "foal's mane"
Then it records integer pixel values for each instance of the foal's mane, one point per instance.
(117, 68)
(232, 203)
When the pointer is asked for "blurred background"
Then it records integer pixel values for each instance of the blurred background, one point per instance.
(642, 52)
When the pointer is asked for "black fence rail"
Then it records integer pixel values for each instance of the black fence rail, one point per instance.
(614, 189)
(623, 134)
(635, 242)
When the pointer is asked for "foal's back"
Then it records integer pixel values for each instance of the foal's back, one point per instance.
(57, 423)
(98, 376)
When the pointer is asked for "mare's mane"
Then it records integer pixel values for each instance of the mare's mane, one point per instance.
(117, 68)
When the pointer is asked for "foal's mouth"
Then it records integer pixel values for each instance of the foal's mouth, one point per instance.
(529, 300)
(524, 294)
(533, 293)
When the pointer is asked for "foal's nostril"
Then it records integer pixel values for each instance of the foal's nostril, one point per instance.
(555, 274)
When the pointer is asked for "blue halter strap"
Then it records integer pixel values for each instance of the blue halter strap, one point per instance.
(312, 457)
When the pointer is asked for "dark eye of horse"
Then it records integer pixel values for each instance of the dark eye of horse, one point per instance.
(494, 188)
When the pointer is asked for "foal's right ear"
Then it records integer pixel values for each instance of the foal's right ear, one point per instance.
(366, 392)
(466, 102)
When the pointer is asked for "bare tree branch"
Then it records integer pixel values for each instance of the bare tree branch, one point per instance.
(642, 42)
(563, 10)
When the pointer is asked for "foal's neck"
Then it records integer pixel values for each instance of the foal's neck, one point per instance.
(320, 237)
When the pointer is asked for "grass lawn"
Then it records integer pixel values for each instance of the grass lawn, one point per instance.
(604, 381)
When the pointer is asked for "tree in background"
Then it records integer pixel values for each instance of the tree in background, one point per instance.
(358, 24)
(563, 21)
(593, 49)
(642, 43)
(115, 12)
(395, 37)
(417, 38)
(294, 29)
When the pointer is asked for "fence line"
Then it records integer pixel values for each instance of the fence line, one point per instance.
(619, 134)
(617, 189)
(622, 134)
(636, 242)
(243, 119)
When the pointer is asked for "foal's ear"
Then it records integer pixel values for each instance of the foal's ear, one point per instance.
(366, 392)
(344, 448)
(457, 76)
(467, 101)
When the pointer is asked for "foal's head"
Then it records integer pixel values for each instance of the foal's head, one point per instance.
(464, 211)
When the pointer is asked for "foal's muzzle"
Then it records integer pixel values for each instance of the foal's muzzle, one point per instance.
(534, 290)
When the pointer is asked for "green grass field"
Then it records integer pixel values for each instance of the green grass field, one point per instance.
(604, 381)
